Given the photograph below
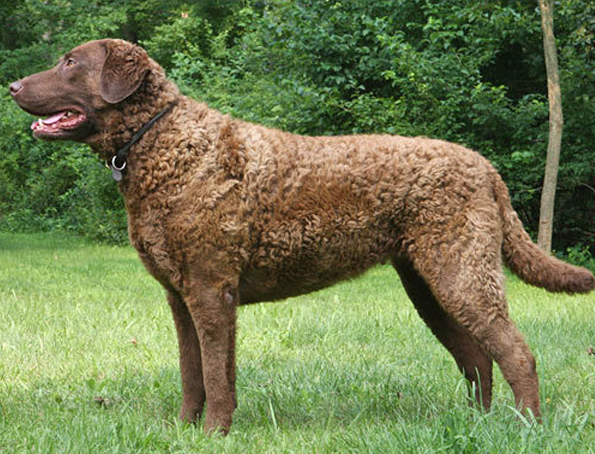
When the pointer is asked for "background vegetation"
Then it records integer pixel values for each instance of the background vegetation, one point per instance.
(466, 71)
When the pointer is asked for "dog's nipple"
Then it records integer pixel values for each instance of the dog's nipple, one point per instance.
(228, 297)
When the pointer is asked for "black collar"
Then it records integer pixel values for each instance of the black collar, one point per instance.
(118, 163)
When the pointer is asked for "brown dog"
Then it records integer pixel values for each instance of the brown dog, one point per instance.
(224, 212)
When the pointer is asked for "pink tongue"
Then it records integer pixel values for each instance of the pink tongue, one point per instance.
(54, 118)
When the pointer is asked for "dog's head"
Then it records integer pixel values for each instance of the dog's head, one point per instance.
(72, 98)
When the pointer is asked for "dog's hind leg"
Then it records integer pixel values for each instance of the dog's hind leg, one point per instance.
(461, 262)
(193, 389)
(498, 335)
(471, 359)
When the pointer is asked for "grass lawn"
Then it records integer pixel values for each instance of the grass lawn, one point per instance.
(89, 364)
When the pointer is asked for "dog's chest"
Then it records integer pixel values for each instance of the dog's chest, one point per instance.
(155, 252)
(175, 233)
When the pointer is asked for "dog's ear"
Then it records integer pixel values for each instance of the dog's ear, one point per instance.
(124, 69)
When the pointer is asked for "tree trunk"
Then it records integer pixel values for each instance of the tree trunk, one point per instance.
(546, 215)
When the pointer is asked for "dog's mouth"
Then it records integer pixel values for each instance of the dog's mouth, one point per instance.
(59, 124)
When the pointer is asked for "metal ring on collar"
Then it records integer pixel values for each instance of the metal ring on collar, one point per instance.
(115, 167)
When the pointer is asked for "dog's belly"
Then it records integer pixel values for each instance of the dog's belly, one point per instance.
(259, 285)
(307, 268)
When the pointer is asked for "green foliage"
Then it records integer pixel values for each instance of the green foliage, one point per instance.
(182, 36)
(580, 256)
(470, 72)
(92, 205)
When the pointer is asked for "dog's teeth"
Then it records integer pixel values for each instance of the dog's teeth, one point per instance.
(41, 121)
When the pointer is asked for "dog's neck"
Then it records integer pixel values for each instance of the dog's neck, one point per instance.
(118, 163)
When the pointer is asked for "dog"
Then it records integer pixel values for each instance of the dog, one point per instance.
(223, 212)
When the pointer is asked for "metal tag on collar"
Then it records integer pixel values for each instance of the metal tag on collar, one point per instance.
(117, 170)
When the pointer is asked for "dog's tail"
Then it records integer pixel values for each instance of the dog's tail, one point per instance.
(529, 262)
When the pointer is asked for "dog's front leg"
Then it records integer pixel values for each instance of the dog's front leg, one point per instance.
(212, 306)
(193, 388)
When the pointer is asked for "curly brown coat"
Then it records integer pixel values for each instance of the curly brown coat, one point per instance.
(224, 212)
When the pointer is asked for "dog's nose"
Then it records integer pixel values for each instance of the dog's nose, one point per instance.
(15, 88)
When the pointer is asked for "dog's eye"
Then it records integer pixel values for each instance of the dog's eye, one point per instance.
(70, 63)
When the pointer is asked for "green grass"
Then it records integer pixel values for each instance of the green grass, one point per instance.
(88, 364)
